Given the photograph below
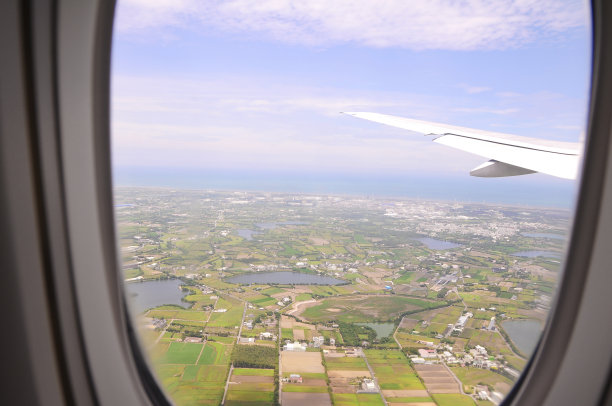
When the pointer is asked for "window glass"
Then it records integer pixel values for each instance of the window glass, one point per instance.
(276, 250)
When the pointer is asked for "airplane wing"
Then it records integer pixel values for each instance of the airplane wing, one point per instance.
(509, 155)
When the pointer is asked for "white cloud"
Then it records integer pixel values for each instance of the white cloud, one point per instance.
(417, 25)
(486, 110)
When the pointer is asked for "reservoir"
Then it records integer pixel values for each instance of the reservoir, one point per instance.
(284, 278)
(438, 244)
(535, 254)
(382, 329)
(523, 333)
(247, 234)
(145, 295)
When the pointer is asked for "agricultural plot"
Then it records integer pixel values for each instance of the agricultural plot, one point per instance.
(359, 399)
(230, 317)
(193, 373)
(477, 376)
(364, 308)
(299, 362)
(395, 375)
(453, 400)
(437, 379)
(253, 387)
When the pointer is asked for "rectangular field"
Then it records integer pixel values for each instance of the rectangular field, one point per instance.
(297, 362)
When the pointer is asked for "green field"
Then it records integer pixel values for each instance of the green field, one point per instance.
(346, 363)
(393, 370)
(181, 353)
(298, 387)
(253, 372)
(360, 399)
(353, 309)
(453, 400)
(215, 354)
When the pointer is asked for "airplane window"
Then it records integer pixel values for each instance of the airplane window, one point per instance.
(319, 203)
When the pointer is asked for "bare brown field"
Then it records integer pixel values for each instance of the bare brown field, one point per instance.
(305, 399)
(437, 379)
(347, 374)
(302, 362)
(298, 334)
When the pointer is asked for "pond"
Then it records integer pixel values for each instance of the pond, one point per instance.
(438, 244)
(382, 329)
(247, 234)
(535, 254)
(523, 333)
(544, 235)
(284, 278)
(146, 295)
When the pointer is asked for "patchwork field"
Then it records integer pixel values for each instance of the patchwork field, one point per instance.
(438, 379)
(395, 375)
(193, 373)
(250, 386)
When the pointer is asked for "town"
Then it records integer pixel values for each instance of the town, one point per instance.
(261, 298)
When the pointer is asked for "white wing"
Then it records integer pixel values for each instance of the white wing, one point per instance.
(509, 155)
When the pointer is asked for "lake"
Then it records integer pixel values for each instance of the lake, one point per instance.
(382, 329)
(535, 254)
(247, 234)
(438, 244)
(544, 235)
(145, 295)
(284, 278)
(523, 333)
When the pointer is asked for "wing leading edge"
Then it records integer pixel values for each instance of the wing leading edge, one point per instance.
(509, 155)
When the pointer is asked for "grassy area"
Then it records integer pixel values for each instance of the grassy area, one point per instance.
(453, 400)
(298, 387)
(393, 370)
(365, 308)
(360, 399)
(346, 363)
(253, 372)
(181, 353)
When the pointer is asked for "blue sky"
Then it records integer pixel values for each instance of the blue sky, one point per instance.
(257, 86)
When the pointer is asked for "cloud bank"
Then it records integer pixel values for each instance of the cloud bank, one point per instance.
(417, 25)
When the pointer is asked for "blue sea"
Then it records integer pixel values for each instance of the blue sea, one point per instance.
(530, 190)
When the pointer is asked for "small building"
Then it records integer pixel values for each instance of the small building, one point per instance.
(295, 346)
(368, 385)
(266, 336)
(332, 341)
(318, 341)
(426, 353)
(295, 378)
(247, 340)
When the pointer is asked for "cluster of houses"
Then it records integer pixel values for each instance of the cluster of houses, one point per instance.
(476, 357)
(317, 342)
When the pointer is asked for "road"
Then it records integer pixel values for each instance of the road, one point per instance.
(374, 378)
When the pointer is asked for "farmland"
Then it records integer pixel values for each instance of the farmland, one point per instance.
(443, 286)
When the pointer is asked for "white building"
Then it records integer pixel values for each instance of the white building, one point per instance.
(295, 346)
